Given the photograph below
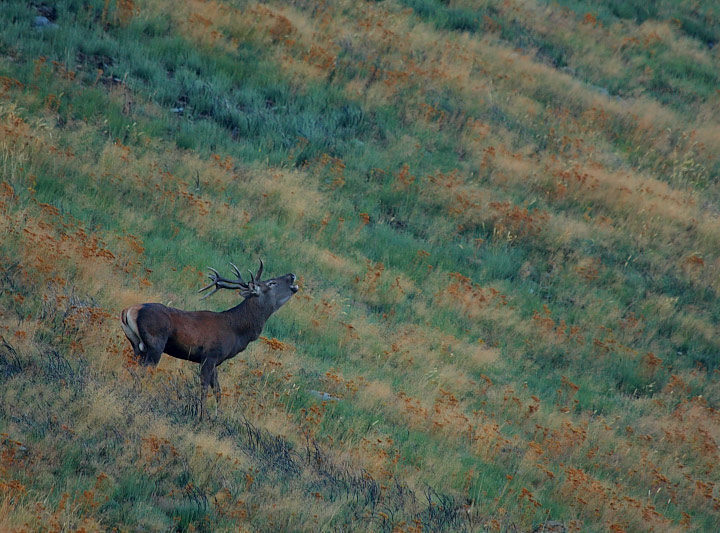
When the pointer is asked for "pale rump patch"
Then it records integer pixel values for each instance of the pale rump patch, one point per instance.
(129, 326)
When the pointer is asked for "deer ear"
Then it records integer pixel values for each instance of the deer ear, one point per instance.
(253, 289)
(248, 293)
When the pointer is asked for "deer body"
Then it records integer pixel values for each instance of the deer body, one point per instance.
(206, 337)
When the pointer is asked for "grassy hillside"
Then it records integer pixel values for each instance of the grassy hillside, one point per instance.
(504, 218)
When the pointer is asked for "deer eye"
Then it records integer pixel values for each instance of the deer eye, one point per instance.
(271, 283)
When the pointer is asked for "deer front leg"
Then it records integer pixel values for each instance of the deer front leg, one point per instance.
(217, 389)
(208, 376)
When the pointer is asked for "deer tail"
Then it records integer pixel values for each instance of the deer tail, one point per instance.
(128, 320)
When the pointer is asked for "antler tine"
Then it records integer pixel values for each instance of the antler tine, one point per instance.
(214, 278)
(236, 271)
(252, 277)
(259, 272)
(210, 293)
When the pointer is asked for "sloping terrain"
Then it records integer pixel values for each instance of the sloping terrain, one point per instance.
(505, 222)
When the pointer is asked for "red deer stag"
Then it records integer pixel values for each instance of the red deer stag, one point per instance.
(207, 337)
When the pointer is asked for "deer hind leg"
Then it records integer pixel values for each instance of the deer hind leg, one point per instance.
(151, 357)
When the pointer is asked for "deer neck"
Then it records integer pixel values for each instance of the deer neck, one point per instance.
(249, 317)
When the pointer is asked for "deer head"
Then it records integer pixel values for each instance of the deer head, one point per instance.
(271, 294)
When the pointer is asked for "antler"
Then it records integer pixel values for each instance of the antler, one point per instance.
(218, 282)
(236, 270)
(254, 279)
